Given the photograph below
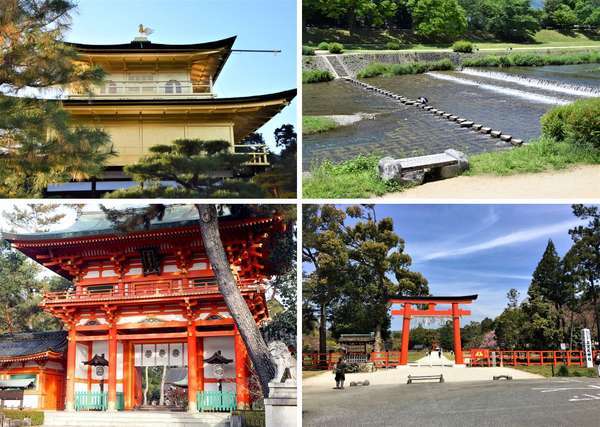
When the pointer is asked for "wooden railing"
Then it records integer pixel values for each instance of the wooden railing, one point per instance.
(530, 358)
(144, 88)
(258, 153)
(140, 289)
(390, 359)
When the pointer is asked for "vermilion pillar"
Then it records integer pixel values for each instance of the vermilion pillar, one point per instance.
(242, 373)
(405, 334)
(112, 367)
(458, 356)
(71, 357)
(200, 361)
(192, 351)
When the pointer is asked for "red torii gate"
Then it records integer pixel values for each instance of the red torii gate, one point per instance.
(408, 311)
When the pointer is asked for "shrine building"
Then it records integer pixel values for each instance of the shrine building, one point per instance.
(156, 93)
(139, 300)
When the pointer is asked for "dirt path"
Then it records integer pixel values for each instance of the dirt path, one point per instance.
(577, 183)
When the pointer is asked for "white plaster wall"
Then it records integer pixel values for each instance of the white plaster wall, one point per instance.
(137, 319)
(29, 401)
(225, 344)
(80, 387)
(199, 266)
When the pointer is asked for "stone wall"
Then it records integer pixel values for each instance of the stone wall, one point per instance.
(310, 63)
(356, 62)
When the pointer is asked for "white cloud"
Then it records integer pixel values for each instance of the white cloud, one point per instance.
(524, 235)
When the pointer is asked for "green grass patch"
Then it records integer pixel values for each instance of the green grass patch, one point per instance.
(308, 51)
(538, 156)
(379, 69)
(462, 46)
(36, 417)
(356, 178)
(317, 124)
(532, 59)
(316, 76)
(571, 371)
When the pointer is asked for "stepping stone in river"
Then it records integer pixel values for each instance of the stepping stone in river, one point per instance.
(466, 124)
(485, 130)
(505, 137)
(516, 141)
(495, 133)
(453, 118)
(429, 108)
(460, 120)
(477, 126)
(446, 115)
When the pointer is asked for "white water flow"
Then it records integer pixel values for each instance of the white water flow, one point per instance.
(530, 96)
(549, 85)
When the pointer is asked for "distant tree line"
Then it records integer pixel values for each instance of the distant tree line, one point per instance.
(447, 20)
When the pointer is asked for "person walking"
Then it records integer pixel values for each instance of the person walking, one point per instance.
(597, 362)
(440, 352)
(340, 373)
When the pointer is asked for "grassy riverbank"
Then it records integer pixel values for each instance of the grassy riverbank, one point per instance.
(532, 59)
(317, 124)
(316, 76)
(379, 69)
(377, 40)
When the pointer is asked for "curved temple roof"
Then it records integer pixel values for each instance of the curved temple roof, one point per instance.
(149, 47)
(24, 345)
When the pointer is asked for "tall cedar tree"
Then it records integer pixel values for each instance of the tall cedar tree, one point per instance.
(37, 144)
(324, 249)
(132, 218)
(585, 255)
(376, 254)
(198, 168)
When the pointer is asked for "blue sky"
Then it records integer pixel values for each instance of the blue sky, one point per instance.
(259, 24)
(479, 249)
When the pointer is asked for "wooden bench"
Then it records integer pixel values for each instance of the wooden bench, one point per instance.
(412, 378)
(427, 162)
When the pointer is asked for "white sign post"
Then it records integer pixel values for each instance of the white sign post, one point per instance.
(586, 341)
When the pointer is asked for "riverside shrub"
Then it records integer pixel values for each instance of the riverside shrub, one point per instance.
(323, 46)
(379, 69)
(316, 76)
(336, 48)
(307, 50)
(462, 46)
(532, 60)
(577, 123)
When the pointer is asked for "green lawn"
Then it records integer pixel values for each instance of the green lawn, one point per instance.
(546, 371)
(316, 124)
(542, 155)
(376, 40)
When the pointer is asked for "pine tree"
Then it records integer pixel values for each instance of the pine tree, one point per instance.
(199, 169)
(279, 180)
(38, 145)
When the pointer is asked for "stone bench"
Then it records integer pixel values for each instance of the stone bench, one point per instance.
(501, 377)
(413, 378)
(412, 170)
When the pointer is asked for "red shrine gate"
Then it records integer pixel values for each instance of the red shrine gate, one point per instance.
(410, 309)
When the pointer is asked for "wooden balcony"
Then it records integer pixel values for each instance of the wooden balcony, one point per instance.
(257, 153)
(128, 89)
(140, 290)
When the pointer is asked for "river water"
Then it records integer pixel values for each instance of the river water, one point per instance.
(511, 100)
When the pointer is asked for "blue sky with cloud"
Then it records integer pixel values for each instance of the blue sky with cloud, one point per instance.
(479, 249)
(259, 24)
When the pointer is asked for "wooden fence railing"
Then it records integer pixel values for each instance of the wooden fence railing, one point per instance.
(390, 359)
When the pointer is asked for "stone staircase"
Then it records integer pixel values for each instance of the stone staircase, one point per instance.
(135, 419)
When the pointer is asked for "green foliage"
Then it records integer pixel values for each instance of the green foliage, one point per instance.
(393, 45)
(531, 59)
(462, 46)
(378, 69)
(317, 124)
(316, 76)
(307, 50)
(356, 178)
(438, 20)
(194, 166)
(563, 371)
(323, 46)
(336, 48)
(577, 123)
(513, 20)
(537, 156)
(36, 417)
(38, 143)
(279, 180)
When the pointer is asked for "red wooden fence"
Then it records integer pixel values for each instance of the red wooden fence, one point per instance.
(390, 359)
